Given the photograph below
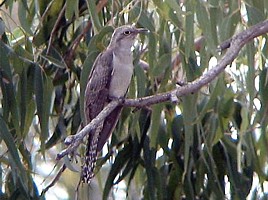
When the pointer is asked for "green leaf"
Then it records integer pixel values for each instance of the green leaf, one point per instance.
(56, 62)
(163, 63)
(263, 85)
(214, 13)
(29, 105)
(177, 128)
(152, 51)
(5, 51)
(22, 14)
(71, 9)
(204, 22)
(127, 169)
(91, 4)
(12, 149)
(149, 159)
(10, 105)
(120, 161)
(209, 103)
(8, 89)
(174, 6)
(59, 132)
(43, 90)
(251, 72)
(141, 81)
(255, 15)
(145, 20)
(189, 117)
(155, 124)
(189, 28)
(22, 98)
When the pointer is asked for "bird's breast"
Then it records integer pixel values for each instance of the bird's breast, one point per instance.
(121, 76)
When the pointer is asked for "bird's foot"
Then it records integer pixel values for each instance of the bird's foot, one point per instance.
(121, 100)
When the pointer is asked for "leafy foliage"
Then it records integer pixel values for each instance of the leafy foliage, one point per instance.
(211, 145)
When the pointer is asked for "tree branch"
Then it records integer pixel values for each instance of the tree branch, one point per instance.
(75, 140)
(53, 32)
(235, 45)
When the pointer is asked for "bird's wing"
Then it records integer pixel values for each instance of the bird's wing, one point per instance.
(96, 96)
(97, 90)
(108, 127)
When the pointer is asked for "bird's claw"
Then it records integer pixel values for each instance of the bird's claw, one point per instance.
(121, 100)
(69, 140)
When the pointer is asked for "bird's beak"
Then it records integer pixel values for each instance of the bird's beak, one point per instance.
(142, 30)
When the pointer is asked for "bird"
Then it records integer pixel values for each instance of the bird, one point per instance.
(109, 79)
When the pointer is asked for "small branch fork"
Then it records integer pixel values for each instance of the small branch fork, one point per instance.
(233, 47)
(75, 140)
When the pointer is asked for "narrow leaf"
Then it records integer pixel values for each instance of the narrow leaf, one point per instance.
(120, 161)
(43, 92)
(11, 146)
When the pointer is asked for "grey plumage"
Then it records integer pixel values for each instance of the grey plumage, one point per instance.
(2, 27)
(109, 78)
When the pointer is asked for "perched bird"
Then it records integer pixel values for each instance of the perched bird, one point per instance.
(109, 79)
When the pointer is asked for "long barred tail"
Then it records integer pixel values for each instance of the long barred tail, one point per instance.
(91, 156)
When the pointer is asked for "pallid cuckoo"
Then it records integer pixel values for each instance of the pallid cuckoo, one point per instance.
(109, 78)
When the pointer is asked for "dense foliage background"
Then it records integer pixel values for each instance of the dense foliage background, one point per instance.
(213, 144)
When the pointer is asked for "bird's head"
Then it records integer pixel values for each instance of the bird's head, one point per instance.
(124, 36)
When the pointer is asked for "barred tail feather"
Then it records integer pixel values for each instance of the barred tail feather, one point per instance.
(91, 156)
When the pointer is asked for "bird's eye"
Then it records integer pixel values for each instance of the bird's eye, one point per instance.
(127, 33)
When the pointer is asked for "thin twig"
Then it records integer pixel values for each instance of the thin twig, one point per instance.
(70, 52)
(54, 181)
(53, 32)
